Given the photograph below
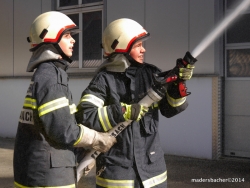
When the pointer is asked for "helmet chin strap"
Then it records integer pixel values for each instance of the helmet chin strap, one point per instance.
(62, 53)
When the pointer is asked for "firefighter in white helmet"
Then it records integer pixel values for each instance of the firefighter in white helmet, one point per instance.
(47, 132)
(137, 159)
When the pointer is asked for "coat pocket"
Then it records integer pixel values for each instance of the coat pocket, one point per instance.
(154, 160)
(155, 154)
(150, 121)
(62, 158)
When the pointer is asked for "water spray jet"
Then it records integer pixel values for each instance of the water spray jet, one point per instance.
(220, 28)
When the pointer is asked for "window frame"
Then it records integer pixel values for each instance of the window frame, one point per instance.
(233, 46)
(79, 5)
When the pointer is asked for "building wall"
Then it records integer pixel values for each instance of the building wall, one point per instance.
(16, 18)
(6, 37)
(176, 26)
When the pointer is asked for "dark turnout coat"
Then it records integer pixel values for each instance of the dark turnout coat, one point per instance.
(137, 146)
(47, 130)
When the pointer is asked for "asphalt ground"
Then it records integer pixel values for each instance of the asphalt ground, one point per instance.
(183, 172)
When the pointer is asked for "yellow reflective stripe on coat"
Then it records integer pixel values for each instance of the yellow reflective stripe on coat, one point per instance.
(30, 103)
(81, 134)
(92, 99)
(104, 119)
(155, 180)
(52, 106)
(17, 185)
(72, 108)
(175, 102)
(114, 183)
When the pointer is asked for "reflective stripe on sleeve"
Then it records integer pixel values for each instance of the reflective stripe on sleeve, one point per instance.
(92, 99)
(81, 134)
(52, 106)
(175, 102)
(104, 119)
(30, 103)
(72, 108)
(114, 183)
(155, 180)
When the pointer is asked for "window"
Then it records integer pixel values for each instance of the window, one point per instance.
(88, 15)
(238, 62)
(237, 43)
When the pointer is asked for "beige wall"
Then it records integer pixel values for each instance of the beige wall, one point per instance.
(6, 38)
(16, 18)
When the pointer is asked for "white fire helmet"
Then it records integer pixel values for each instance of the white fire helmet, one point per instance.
(120, 35)
(49, 28)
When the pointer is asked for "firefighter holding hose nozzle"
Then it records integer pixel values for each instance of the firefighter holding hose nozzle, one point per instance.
(122, 80)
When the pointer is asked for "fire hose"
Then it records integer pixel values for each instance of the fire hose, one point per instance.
(155, 94)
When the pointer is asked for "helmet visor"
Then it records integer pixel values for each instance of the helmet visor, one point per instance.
(73, 31)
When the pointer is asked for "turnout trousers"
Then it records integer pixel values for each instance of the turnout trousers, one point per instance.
(127, 177)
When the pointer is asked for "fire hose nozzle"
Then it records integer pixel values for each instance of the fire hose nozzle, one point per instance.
(161, 81)
(189, 59)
